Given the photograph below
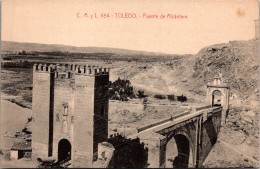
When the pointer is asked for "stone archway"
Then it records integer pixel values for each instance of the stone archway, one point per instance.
(64, 150)
(217, 98)
(179, 152)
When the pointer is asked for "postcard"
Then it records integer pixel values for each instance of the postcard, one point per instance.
(130, 84)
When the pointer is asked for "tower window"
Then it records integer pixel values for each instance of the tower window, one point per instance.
(65, 111)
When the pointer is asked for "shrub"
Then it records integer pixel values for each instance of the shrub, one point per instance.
(171, 97)
(141, 94)
(120, 90)
(158, 96)
(182, 98)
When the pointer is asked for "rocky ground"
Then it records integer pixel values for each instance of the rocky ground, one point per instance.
(238, 141)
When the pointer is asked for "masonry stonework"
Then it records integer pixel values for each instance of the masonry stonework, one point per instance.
(69, 103)
(70, 119)
(219, 85)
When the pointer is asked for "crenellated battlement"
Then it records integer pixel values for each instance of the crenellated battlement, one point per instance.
(68, 70)
(43, 68)
(64, 97)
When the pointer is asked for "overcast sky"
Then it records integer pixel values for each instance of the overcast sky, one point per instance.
(56, 22)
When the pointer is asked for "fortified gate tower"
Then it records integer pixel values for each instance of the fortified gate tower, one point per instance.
(70, 112)
(218, 88)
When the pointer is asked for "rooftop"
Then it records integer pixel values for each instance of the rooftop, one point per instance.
(22, 146)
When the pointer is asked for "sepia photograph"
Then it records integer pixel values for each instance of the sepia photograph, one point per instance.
(129, 84)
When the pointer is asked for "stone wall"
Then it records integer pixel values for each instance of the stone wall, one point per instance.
(100, 112)
(128, 153)
(67, 104)
(84, 121)
(209, 132)
(41, 109)
(201, 131)
(63, 97)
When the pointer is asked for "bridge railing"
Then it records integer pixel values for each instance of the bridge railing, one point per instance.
(139, 129)
(215, 109)
(203, 107)
(145, 127)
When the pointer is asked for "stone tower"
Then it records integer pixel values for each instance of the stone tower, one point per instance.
(218, 85)
(70, 112)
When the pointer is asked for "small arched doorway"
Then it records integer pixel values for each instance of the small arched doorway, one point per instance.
(64, 150)
(179, 152)
(216, 98)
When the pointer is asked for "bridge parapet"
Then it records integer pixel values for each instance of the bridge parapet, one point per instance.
(194, 125)
(204, 111)
(203, 107)
(162, 121)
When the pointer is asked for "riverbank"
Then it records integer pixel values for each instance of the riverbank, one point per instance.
(13, 119)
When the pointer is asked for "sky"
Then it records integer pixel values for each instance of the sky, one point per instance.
(65, 22)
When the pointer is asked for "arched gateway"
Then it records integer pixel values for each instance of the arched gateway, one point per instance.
(64, 150)
(218, 94)
(217, 98)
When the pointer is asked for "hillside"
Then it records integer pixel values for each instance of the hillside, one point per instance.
(238, 62)
(180, 74)
(11, 47)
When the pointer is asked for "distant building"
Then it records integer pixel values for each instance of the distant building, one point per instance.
(21, 150)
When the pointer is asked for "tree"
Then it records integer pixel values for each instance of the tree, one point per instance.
(120, 90)
(171, 97)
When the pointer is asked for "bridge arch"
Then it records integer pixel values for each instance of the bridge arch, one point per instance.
(179, 150)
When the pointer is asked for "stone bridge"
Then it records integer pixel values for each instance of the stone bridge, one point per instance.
(194, 132)
(70, 119)
(190, 135)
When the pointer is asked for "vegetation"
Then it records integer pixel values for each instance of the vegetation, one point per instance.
(25, 130)
(158, 96)
(121, 90)
(171, 97)
(182, 98)
(141, 94)
(25, 53)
